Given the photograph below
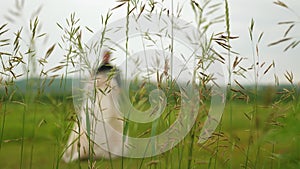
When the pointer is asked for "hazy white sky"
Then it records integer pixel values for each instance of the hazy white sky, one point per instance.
(264, 12)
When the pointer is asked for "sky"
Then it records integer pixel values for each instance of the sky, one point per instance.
(264, 12)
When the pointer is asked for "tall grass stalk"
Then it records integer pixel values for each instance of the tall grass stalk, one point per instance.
(73, 47)
(126, 123)
(229, 85)
(5, 84)
(228, 36)
(253, 127)
(30, 94)
(35, 36)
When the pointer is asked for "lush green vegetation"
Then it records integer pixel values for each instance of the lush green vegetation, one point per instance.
(46, 126)
(259, 128)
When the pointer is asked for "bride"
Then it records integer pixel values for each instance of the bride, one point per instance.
(99, 130)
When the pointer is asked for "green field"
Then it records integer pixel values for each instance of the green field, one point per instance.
(260, 126)
(43, 129)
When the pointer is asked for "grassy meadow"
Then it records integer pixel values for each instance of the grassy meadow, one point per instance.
(259, 128)
(42, 128)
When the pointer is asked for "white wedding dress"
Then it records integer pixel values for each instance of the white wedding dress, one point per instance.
(99, 130)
